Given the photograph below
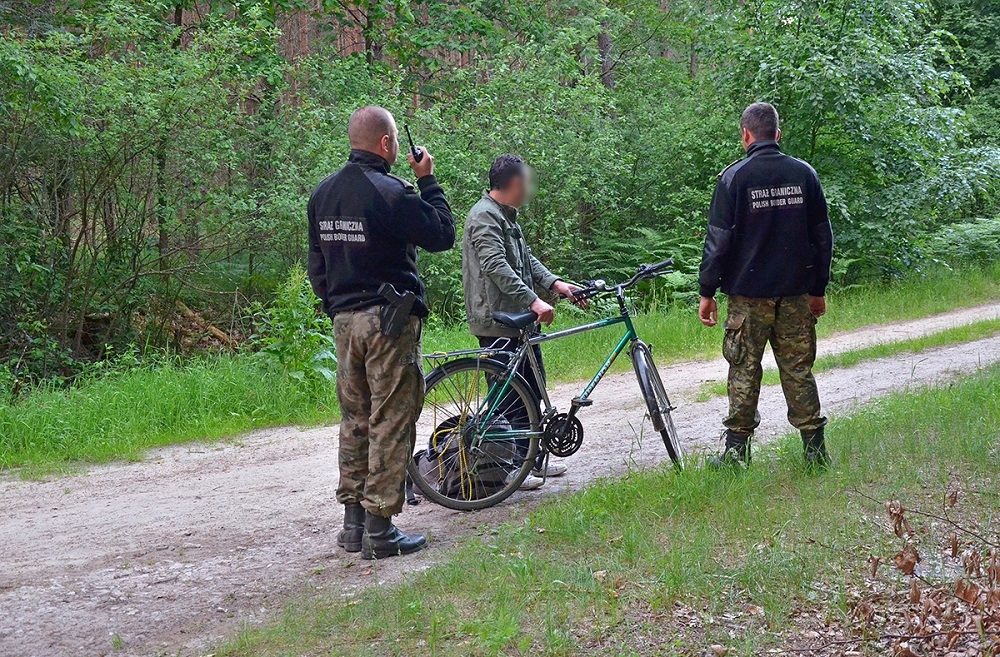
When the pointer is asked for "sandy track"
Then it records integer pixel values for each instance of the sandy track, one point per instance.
(178, 551)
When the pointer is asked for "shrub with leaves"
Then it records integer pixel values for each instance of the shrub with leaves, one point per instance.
(294, 335)
(971, 242)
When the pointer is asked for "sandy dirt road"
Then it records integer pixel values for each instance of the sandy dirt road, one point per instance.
(167, 556)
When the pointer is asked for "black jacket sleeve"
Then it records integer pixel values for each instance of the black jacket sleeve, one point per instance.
(718, 240)
(427, 220)
(316, 263)
(821, 239)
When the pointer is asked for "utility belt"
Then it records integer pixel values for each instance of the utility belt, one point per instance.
(395, 313)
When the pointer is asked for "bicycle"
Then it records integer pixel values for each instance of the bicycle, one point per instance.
(487, 426)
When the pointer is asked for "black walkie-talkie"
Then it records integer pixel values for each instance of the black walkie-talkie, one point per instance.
(418, 153)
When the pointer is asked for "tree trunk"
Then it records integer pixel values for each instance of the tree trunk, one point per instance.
(604, 46)
(163, 240)
(693, 60)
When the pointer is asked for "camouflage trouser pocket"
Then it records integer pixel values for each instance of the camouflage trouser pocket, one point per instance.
(734, 345)
(409, 342)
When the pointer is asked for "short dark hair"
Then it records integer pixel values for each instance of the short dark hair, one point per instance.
(761, 120)
(504, 169)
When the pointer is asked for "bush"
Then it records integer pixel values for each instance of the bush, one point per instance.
(970, 242)
(293, 335)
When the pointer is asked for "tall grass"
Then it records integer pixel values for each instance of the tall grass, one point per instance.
(665, 564)
(122, 414)
(676, 333)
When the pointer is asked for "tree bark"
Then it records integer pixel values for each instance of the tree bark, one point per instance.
(604, 46)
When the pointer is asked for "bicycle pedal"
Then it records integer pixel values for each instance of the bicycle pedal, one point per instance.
(581, 402)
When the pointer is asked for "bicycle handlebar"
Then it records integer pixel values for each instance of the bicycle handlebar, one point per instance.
(645, 272)
(650, 271)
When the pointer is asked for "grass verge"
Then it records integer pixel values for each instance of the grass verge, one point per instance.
(121, 415)
(955, 335)
(666, 564)
(678, 335)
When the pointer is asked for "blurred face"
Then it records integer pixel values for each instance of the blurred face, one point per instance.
(390, 145)
(521, 189)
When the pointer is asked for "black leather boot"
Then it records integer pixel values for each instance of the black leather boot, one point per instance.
(349, 537)
(382, 539)
(817, 457)
(736, 453)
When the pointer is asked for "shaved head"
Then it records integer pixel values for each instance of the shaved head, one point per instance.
(367, 127)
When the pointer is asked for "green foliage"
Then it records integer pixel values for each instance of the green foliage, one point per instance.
(862, 90)
(967, 242)
(159, 150)
(294, 335)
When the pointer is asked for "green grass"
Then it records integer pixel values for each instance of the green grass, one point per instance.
(121, 415)
(677, 334)
(955, 335)
(665, 564)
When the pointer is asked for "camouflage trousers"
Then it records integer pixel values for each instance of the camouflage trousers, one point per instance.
(380, 387)
(790, 327)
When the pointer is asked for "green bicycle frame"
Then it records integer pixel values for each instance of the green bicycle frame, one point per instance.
(629, 336)
(495, 396)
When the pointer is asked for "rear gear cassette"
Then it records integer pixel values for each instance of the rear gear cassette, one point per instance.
(563, 435)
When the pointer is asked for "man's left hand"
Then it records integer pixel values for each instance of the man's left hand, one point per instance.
(569, 291)
(817, 306)
(425, 167)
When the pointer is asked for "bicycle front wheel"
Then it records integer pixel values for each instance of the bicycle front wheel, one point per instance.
(657, 401)
(477, 437)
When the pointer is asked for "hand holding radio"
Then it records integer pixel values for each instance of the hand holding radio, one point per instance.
(420, 160)
(415, 151)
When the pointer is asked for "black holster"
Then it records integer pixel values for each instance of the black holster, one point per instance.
(395, 314)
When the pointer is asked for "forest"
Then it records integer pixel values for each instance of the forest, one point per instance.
(156, 156)
(168, 402)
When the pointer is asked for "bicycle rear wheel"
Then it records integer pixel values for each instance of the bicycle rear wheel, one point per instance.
(657, 401)
(477, 436)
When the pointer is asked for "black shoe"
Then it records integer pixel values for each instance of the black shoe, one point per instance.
(383, 540)
(736, 454)
(349, 537)
(816, 455)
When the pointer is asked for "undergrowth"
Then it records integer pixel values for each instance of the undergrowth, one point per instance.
(119, 414)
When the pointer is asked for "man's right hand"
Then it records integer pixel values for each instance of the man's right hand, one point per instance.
(425, 167)
(708, 311)
(817, 306)
(545, 312)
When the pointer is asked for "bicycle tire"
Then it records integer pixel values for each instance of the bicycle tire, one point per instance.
(657, 402)
(449, 399)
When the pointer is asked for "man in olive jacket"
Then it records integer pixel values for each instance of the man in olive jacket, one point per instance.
(500, 274)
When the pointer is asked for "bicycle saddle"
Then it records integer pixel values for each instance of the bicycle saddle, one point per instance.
(519, 321)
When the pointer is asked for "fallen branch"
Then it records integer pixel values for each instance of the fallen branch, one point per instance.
(217, 333)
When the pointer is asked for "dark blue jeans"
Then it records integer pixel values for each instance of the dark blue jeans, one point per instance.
(512, 407)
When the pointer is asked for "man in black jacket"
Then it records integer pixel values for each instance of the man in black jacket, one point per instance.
(364, 229)
(769, 247)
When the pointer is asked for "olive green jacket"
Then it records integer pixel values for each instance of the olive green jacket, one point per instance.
(498, 271)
